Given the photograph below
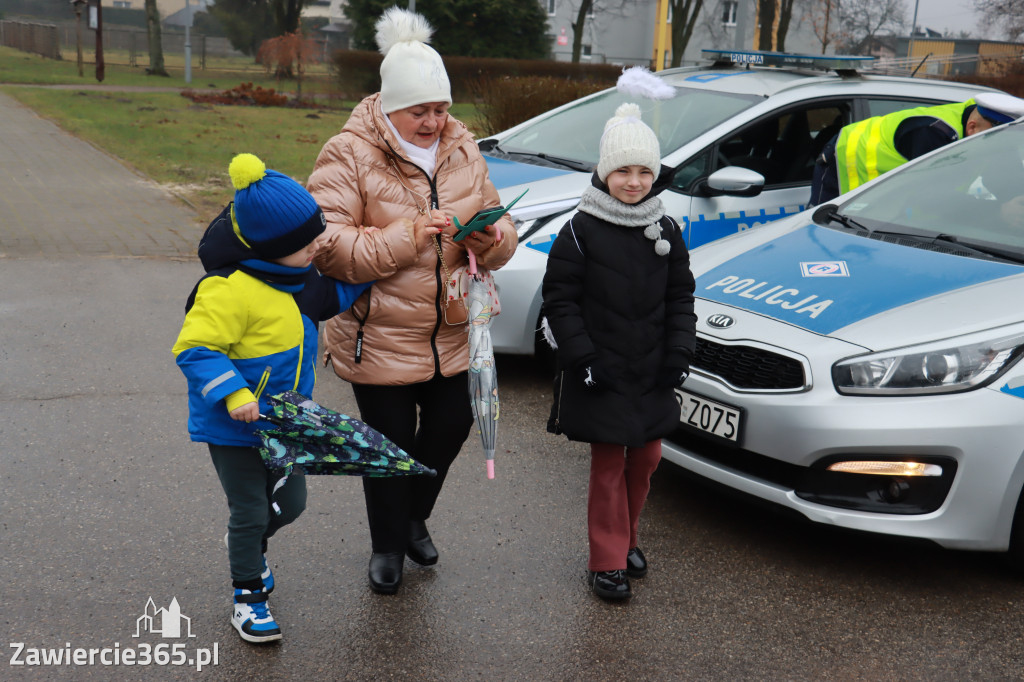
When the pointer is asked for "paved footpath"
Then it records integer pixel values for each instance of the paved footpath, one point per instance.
(60, 195)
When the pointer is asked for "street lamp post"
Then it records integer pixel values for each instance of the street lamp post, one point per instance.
(913, 29)
(96, 23)
(188, 44)
(77, 4)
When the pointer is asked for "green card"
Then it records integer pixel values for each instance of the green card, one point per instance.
(483, 218)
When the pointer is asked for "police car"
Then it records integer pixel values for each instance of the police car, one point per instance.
(743, 132)
(860, 363)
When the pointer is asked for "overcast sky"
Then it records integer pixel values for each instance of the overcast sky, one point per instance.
(945, 16)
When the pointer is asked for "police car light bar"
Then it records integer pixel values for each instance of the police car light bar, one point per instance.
(820, 62)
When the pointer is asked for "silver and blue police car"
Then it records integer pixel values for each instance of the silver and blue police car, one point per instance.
(743, 132)
(860, 363)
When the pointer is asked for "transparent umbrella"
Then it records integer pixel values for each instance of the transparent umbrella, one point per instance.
(483, 377)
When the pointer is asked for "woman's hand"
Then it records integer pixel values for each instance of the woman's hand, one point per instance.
(480, 241)
(426, 226)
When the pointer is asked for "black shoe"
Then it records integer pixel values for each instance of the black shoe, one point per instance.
(636, 563)
(420, 548)
(386, 571)
(613, 585)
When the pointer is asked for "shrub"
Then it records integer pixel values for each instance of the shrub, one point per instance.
(510, 100)
(1011, 79)
(358, 72)
(245, 94)
(507, 90)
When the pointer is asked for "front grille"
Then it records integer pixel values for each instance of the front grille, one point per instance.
(748, 368)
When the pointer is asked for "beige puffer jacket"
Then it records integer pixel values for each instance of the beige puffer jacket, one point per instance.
(364, 185)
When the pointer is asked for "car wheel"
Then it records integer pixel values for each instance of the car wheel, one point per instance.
(1015, 555)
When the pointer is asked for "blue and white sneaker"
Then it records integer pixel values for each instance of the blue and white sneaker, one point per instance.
(267, 575)
(251, 617)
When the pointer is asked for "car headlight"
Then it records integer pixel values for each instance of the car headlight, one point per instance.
(944, 367)
(529, 219)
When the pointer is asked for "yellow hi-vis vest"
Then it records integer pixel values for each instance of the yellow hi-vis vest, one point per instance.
(866, 149)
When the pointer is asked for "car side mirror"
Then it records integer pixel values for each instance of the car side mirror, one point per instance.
(733, 181)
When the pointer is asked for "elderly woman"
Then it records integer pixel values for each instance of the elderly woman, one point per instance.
(389, 184)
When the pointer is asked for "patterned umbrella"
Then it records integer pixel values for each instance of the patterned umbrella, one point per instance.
(483, 377)
(321, 441)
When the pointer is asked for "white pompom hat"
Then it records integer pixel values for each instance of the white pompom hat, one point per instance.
(628, 141)
(412, 72)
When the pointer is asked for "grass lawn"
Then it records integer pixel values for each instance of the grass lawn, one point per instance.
(185, 147)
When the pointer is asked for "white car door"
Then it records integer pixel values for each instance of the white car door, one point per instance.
(782, 147)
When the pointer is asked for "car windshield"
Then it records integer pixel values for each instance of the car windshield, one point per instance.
(970, 193)
(574, 133)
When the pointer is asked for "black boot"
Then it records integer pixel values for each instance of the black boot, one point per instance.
(611, 585)
(636, 563)
(386, 571)
(420, 548)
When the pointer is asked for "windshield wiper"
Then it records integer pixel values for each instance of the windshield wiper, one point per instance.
(983, 249)
(495, 149)
(829, 213)
(568, 163)
(971, 247)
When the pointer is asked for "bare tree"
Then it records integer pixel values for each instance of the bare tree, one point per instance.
(824, 18)
(586, 6)
(863, 20)
(596, 9)
(156, 50)
(1006, 17)
(766, 24)
(785, 19)
(684, 18)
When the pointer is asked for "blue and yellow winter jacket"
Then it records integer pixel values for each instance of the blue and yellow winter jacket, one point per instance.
(250, 331)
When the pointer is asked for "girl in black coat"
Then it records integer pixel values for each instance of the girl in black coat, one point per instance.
(618, 302)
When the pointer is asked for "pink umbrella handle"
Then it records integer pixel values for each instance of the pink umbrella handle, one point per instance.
(490, 468)
(472, 256)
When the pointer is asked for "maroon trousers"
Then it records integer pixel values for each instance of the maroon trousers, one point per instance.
(620, 478)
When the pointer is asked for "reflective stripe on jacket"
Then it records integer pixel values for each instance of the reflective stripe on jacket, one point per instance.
(867, 149)
(241, 333)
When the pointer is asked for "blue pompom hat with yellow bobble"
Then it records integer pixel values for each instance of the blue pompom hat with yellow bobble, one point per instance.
(272, 213)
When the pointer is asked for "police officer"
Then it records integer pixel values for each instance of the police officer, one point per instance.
(864, 150)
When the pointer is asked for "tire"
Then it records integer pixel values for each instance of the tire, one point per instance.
(1015, 554)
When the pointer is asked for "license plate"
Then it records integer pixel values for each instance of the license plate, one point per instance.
(708, 416)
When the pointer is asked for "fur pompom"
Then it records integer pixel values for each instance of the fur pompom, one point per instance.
(652, 231)
(662, 247)
(398, 25)
(638, 81)
(548, 335)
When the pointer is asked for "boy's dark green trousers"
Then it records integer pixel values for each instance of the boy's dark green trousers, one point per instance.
(252, 520)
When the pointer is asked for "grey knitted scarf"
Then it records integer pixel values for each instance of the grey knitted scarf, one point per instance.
(646, 214)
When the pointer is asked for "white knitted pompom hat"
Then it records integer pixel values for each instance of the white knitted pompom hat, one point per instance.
(412, 72)
(628, 141)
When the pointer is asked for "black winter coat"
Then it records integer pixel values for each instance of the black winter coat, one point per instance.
(610, 299)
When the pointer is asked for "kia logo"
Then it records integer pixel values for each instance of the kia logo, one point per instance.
(720, 321)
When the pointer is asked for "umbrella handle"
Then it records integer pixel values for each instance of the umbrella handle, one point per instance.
(490, 468)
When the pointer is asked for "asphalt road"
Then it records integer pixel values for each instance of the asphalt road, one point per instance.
(105, 505)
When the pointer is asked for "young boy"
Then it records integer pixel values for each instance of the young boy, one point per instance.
(618, 302)
(250, 331)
